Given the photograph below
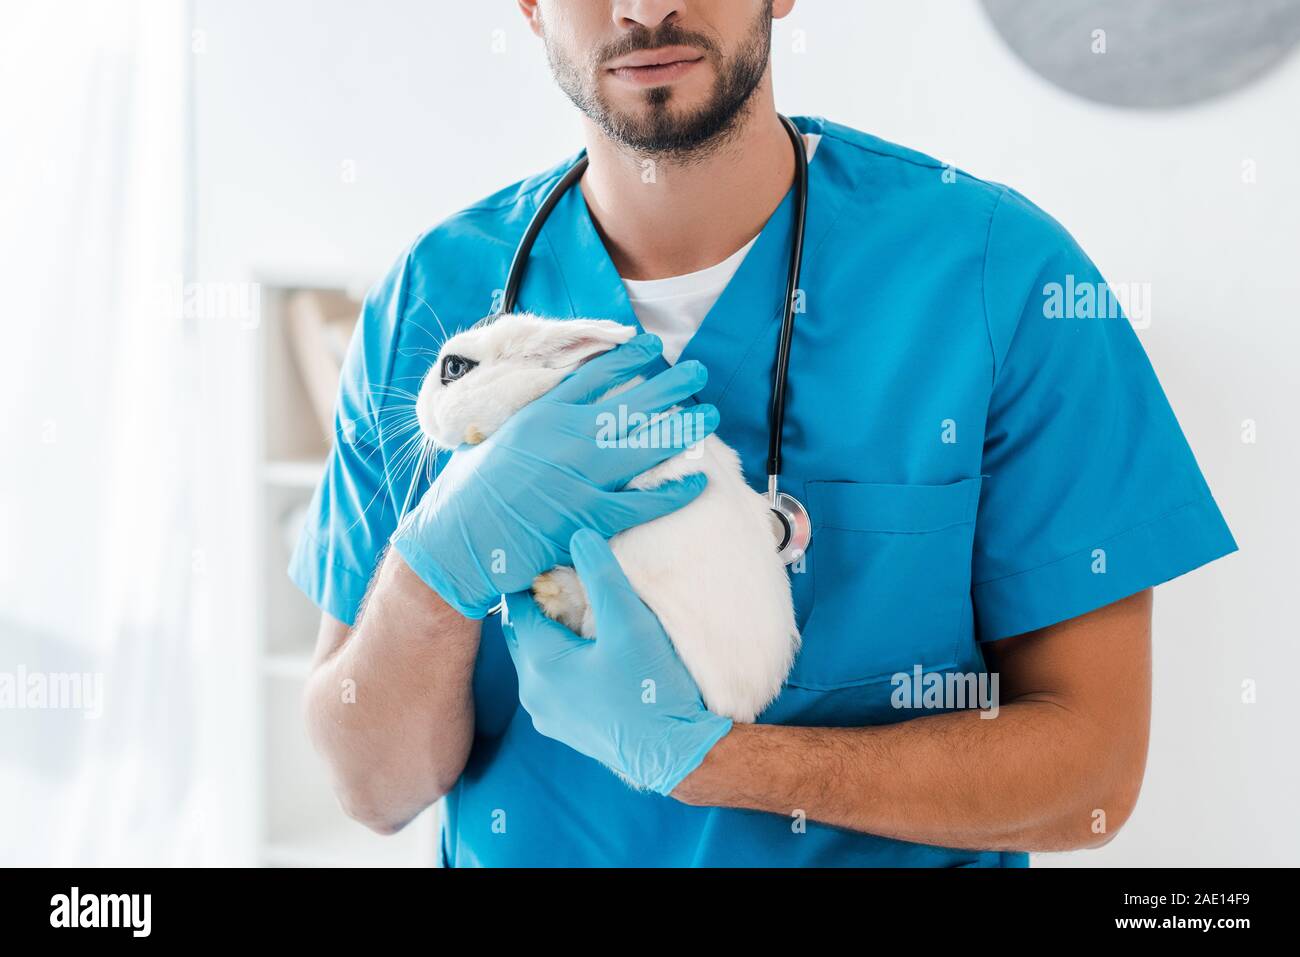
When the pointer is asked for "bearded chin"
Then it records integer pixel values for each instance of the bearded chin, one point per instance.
(662, 130)
(659, 130)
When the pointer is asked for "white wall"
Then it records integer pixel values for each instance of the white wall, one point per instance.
(414, 95)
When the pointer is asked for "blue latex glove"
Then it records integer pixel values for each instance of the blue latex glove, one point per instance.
(623, 698)
(502, 512)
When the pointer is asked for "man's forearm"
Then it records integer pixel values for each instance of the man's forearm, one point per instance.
(1030, 779)
(391, 704)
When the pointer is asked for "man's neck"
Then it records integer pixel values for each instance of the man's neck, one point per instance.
(665, 217)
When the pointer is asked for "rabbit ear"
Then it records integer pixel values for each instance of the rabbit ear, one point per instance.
(571, 342)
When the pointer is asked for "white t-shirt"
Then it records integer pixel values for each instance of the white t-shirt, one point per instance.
(674, 308)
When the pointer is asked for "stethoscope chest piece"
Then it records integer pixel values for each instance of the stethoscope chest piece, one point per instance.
(792, 526)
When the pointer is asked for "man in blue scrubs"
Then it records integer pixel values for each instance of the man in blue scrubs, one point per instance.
(995, 484)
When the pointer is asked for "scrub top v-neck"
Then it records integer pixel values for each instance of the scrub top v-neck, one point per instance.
(974, 466)
(675, 307)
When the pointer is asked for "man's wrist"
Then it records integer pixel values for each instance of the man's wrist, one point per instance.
(701, 787)
(436, 578)
(695, 745)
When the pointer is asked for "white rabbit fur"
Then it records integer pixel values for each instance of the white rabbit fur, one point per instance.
(709, 571)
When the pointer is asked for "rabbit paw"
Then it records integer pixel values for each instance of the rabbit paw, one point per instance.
(559, 593)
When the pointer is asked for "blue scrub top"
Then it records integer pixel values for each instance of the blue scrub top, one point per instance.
(976, 464)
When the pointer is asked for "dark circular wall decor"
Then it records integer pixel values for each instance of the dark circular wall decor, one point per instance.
(1149, 54)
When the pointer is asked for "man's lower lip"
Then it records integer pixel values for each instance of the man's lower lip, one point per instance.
(655, 75)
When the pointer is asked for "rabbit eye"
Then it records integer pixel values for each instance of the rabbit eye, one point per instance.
(454, 367)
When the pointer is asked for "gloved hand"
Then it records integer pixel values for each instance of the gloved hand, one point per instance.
(624, 698)
(502, 512)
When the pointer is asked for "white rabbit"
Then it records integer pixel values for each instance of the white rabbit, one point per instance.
(709, 571)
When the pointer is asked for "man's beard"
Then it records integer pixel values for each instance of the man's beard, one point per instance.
(659, 130)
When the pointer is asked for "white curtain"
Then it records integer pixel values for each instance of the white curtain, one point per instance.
(97, 554)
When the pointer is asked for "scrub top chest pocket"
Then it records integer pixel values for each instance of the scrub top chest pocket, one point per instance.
(891, 567)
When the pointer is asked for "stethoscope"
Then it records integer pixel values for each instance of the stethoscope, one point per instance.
(793, 526)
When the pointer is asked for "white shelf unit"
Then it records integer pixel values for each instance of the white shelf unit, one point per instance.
(301, 823)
